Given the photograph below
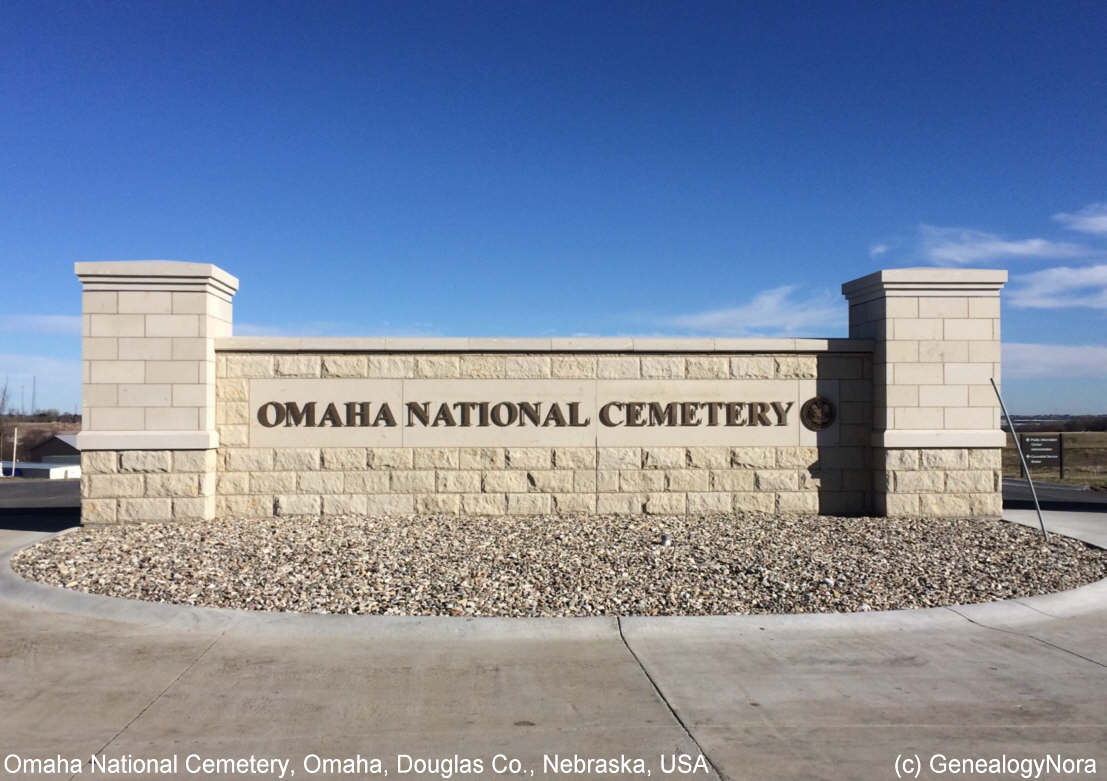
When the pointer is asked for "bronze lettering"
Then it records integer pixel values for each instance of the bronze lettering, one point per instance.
(464, 407)
(418, 410)
(759, 414)
(357, 413)
(663, 416)
(278, 414)
(331, 416)
(531, 412)
(605, 412)
(555, 416)
(384, 415)
(536, 413)
(498, 413)
(294, 416)
(781, 410)
(444, 416)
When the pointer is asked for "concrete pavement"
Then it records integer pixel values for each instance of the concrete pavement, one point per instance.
(1088, 526)
(820, 696)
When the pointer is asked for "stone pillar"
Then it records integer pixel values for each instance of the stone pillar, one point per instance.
(937, 444)
(148, 435)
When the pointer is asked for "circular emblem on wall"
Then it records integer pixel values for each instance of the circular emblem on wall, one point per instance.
(817, 413)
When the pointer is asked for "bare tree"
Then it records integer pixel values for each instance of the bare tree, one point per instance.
(4, 397)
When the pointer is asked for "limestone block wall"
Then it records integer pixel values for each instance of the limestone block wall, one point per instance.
(148, 355)
(937, 444)
(130, 486)
(148, 392)
(934, 358)
(940, 482)
(524, 480)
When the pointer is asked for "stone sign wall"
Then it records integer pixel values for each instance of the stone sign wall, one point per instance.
(185, 421)
(696, 447)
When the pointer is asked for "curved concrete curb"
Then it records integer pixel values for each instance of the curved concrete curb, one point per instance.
(18, 591)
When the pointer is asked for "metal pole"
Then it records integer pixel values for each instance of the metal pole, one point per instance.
(1022, 458)
(15, 439)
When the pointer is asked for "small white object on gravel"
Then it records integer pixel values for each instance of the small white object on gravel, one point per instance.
(565, 566)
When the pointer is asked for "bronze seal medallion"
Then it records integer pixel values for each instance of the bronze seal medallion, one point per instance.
(817, 413)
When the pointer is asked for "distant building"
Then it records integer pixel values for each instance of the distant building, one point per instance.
(58, 449)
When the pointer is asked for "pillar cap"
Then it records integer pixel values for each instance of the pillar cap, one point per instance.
(925, 281)
(165, 275)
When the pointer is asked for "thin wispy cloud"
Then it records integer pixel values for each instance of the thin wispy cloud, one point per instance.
(1023, 360)
(1091, 219)
(963, 246)
(1062, 287)
(780, 311)
(876, 250)
(57, 382)
(49, 324)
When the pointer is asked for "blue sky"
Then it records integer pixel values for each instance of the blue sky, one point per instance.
(515, 169)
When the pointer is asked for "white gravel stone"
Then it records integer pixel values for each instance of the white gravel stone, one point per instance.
(565, 566)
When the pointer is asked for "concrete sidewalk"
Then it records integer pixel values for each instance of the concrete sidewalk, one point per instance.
(1088, 526)
(820, 696)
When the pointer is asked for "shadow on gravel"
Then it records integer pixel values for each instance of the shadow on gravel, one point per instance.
(39, 519)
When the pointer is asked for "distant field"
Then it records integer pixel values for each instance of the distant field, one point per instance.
(31, 434)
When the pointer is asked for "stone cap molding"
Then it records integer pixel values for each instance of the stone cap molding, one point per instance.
(944, 438)
(555, 345)
(156, 275)
(925, 282)
(147, 440)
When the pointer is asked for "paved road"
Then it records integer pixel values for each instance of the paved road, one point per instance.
(825, 696)
(39, 505)
(21, 492)
(1016, 494)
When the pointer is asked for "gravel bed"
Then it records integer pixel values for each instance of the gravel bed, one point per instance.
(550, 566)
